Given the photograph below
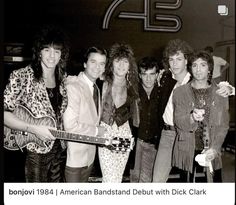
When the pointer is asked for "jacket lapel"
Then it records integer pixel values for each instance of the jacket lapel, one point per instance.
(89, 97)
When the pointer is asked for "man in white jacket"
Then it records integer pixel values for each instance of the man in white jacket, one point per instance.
(82, 115)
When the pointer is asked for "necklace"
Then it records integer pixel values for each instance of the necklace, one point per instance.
(50, 92)
(200, 96)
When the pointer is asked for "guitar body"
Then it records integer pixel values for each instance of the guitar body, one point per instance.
(15, 140)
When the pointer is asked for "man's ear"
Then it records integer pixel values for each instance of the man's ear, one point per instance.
(85, 65)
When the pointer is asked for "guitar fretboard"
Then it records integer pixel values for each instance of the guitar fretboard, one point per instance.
(77, 137)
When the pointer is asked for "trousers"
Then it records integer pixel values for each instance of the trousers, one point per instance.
(144, 161)
(78, 174)
(162, 166)
(47, 167)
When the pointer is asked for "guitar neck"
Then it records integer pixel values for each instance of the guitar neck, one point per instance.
(63, 135)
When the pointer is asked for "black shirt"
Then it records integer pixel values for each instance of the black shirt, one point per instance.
(148, 128)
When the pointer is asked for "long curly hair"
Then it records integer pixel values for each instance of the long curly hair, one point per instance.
(50, 36)
(173, 47)
(119, 51)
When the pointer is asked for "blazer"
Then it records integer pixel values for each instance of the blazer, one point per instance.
(80, 117)
(184, 147)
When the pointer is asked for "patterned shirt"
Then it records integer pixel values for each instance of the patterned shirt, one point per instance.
(24, 89)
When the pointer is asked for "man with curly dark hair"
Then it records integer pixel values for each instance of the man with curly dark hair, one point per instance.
(202, 121)
(175, 61)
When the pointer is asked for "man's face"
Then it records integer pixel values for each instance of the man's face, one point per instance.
(50, 57)
(148, 77)
(200, 70)
(178, 63)
(95, 66)
(121, 67)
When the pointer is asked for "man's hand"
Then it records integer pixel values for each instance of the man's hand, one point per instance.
(210, 154)
(225, 89)
(41, 132)
(198, 114)
(101, 131)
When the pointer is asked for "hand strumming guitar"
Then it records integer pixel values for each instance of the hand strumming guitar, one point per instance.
(42, 132)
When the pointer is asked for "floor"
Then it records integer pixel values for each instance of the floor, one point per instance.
(14, 160)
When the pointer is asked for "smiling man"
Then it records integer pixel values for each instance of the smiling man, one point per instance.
(176, 55)
(82, 115)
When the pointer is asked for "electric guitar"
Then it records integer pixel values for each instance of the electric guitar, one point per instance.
(15, 139)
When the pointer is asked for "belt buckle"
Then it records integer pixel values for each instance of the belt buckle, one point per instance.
(166, 126)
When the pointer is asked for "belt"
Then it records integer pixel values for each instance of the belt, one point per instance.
(147, 141)
(169, 127)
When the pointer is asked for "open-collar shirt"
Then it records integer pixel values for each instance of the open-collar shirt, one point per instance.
(169, 110)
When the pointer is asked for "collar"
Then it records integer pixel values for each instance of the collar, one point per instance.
(186, 78)
(87, 80)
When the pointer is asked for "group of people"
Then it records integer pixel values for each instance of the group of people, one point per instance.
(174, 114)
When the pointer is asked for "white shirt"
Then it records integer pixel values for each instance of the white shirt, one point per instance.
(89, 82)
(91, 88)
(169, 110)
(218, 62)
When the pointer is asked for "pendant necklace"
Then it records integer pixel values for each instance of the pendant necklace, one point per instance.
(50, 92)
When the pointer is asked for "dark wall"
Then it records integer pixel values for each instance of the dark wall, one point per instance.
(82, 19)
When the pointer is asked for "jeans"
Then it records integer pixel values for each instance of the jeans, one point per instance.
(47, 167)
(162, 166)
(78, 174)
(144, 161)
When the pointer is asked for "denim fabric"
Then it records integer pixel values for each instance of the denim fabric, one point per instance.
(47, 167)
(144, 162)
(78, 174)
(162, 166)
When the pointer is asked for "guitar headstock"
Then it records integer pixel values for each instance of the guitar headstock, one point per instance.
(120, 144)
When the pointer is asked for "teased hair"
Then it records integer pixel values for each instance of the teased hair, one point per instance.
(50, 36)
(119, 51)
(173, 47)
